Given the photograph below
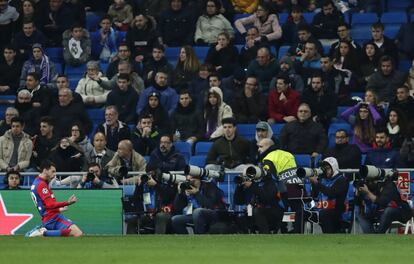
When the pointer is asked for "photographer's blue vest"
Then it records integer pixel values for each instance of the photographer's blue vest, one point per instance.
(324, 201)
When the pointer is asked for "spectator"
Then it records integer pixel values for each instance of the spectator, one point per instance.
(186, 68)
(385, 44)
(10, 69)
(99, 179)
(124, 54)
(223, 56)
(249, 50)
(243, 6)
(303, 136)
(263, 130)
(169, 96)
(363, 117)
(369, 62)
(287, 68)
(145, 136)
(25, 39)
(249, 105)
(13, 180)
(283, 102)
(141, 37)
(407, 148)
(371, 97)
(291, 27)
(297, 49)
(24, 107)
(151, 8)
(44, 142)
(325, 23)
(125, 98)
(166, 158)
(40, 64)
(230, 150)
(104, 41)
(199, 85)
(176, 24)
(344, 34)
(382, 155)
(79, 138)
(93, 94)
(5, 124)
(409, 82)
(348, 155)
(345, 58)
(8, 18)
(211, 23)
(396, 127)
(67, 156)
(404, 40)
(386, 80)
(99, 154)
(125, 157)
(186, 120)
(322, 102)
(121, 14)
(62, 82)
(76, 46)
(66, 112)
(310, 59)
(404, 102)
(160, 117)
(15, 147)
(264, 68)
(215, 110)
(26, 10)
(267, 24)
(155, 63)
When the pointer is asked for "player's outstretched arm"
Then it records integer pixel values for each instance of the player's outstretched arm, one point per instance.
(72, 199)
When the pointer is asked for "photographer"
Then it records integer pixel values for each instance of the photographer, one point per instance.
(379, 201)
(95, 179)
(330, 191)
(197, 202)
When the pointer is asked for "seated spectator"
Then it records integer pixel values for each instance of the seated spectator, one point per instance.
(363, 117)
(267, 24)
(15, 147)
(166, 158)
(325, 23)
(104, 41)
(223, 55)
(67, 111)
(10, 69)
(176, 24)
(155, 63)
(121, 14)
(303, 136)
(40, 64)
(404, 102)
(125, 159)
(249, 50)
(371, 97)
(407, 148)
(386, 80)
(243, 6)
(283, 102)
(291, 27)
(369, 62)
(26, 9)
(186, 121)
(215, 110)
(263, 130)
(211, 23)
(230, 150)
(67, 156)
(160, 117)
(24, 107)
(78, 137)
(62, 82)
(93, 94)
(382, 155)
(322, 102)
(409, 82)
(99, 154)
(124, 54)
(199, 85)
(264, 68)
(141, 37)
(348, 155)
(5, 124)
(345, 57)
(25, 39)
(335, 80)
(113, 129)
(249, 105)
(186, 69)
(385, 45)
(297, 49)
(344, 34)
(43, 142)
(145, 136)
(396, 128)
(7, 20)
(13, 180)
(404, 40)
(76, 46)
(99, 180)
(310, 60)
(287, 68)
(125, 98)
(169, 96)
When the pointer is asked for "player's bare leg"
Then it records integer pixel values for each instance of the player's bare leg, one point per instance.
(75, 231)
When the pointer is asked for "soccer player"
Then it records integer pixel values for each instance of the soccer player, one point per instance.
(53, 222)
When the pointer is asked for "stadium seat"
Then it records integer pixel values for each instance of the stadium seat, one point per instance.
(326, 49)
(363, 19)
(73, 82)
(335, 126)
(282, 51)
(276, 128)
(201, 52)
(120, 37)
(172, 54)
(303, 160)
(308, 16)
(361, 33)
(2, 184)
(73, 72)
(198, 160)
(283, 18)
(28, 180)
(103, 66)
(97, 115)
(391, 30)
(202, 147)
(340, 110)
(238, 16)
(185, 149)
(58, 68)
(147, 158)
(404, 65)
(92, 21)
(363, 158)
(247, 130)
(394, 18)
(397, 5)
(55, 54)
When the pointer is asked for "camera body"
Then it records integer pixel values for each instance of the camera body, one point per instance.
(90, 177)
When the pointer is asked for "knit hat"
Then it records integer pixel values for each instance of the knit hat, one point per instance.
(262, 125)
(155, 93)
(37, 45)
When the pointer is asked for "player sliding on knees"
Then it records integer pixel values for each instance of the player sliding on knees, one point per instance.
(53, 221)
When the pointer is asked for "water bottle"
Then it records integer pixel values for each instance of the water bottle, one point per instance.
(177, 135)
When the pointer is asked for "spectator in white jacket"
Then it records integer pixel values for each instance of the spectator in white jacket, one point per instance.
(91, 91)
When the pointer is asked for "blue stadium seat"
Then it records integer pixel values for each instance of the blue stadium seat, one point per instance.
(128, 190)
(58, 68)
(335, 126)
(147, 158)
(2, 185)
(361, 33)
(303, 160)
(28, 180)
(184, 148)
(340, 110)
(172, 54)
(363, 19)
(97, 115)
(73, 72)
(404, 65)
(73, 82)
(397, 5)
(92, 21)
(282, 51)
(326, 49)
(247, 130)
(120, 37)
(363, 158)
(394, 18)
(104, 67)
(198, 160)
(7, 97)
(55, 54)
(391, 30)
(308, 16)
(276, 128)
(201, 52)
(283, 18)
(202, 147)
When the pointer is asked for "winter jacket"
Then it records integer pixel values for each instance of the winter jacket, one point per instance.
(249, 110)
(114, 137)
(231, 152)
(85, 46)
(169, 98)
(187, 121)
(6, 151)
(226, 58)
(347, 155)
(90, 88)
(269, 29)
(171, 161)
(385, 86)
(125, 101)
(278, 109)
(177, 27)
(224, 111)
(208, 28)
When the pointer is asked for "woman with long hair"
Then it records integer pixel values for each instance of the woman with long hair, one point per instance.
(396, 127)
(363, 117)
(223, 55)
(369, 61)
(186, 68)
(345, 57)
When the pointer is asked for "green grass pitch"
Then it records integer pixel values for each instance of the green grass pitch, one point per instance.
(217, 249)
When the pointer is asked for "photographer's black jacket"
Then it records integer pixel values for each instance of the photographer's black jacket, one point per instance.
(164, 193)
(261, 194)
(210, 197)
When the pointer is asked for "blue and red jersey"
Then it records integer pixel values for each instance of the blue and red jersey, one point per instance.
(45, 200)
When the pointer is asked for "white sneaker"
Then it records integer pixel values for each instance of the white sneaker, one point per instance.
(36, 232)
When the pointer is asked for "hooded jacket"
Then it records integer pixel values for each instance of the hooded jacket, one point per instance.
(85, 43)
(224, 111)
(24, 151)
(90, 88)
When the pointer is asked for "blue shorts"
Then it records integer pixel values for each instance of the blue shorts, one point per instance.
(58, 223)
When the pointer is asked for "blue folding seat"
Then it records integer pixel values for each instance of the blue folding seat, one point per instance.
(198, 160)
(58, 68)
(335, 126)
(283, 18)
(282, 51)
(201, 52)
(363, 19)
(203, 147)
(120, 37)
(184, 148)
(92, 21)
(55, 54)
(404, 65)
(247, 130)
(394, 18)
(308, 16)
(103, 66)
(97, 115)
(276, 128)
(303, 160)
(398, 5)
(172, 54)
(77, 72)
